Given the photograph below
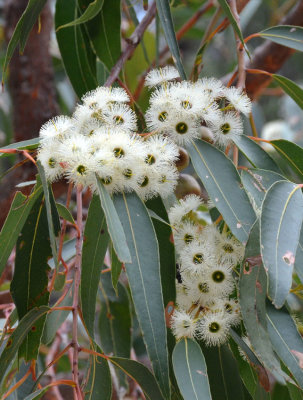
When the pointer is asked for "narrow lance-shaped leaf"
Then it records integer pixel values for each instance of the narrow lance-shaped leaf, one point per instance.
(116, 267)
(92, 10)
(299, 257)
(65, 213)
(114, 225)
(23, 28)
(292, 153)
(190, 370)
(286, 340)
(289, 87)
(222, 182)
(165, 17)
(18, 213)
(145, 283)
(30, 280)
(17, 337)
(252, 288)
(140, 374)
(30, 144)
(95, 244)
(254, 153)
(286, 35)
(281, 220)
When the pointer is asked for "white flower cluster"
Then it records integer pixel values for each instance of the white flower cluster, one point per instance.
(205, 308)
(100, 139)
(181, 109)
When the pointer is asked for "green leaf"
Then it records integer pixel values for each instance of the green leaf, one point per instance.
(252, 288)
(105, 32)
(68, 252)
(226, 8)
(65, 213)
(286, 35)
(99, 385)
(116, 267)
(286, 340)
(95, 244)
(223, 374)
(114, 225)
(254, 153)
(18, 336)
(289, 87)
(144, 280)
(23, 28)
(56, 318)
(30, 144)
(222, 182)
(295, 392)
(281, 220)
(37, 394)
(30, 280)
(48, 195)
(299, 257)
(166, 249)
(190, 370)
(166, 20)
(92, 10)
(18, 213)
(292, 153)
(256, 183)
(75, 52)
(140, 374)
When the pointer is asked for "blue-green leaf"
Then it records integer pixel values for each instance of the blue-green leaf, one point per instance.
(291, 88)
(286, 35)
(222, 182)
(114, 225)
(29, 144)
(281, 220)
(286, 340)
(92, 10)
(190, 370)
(292, 153)
(95, 244)
(65, 213)
(145, 283)
(299, 257)
(254, 153)
(165, 17)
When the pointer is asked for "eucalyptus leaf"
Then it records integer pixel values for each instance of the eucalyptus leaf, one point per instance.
(286, 35)
(291, 88)
(292, 153)
(91, 11)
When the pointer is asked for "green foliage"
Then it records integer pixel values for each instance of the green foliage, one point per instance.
(287, 35)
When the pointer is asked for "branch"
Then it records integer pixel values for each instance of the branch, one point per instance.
(240, 49)
(271, 56)
(133, 42)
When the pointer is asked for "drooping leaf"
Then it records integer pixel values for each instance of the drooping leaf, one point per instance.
(95, 244)
(289, 87)
(166, 249)
(56, 318)
(254, 153)
(166, 20)
(292, 153)
(30, 144)
(23, 28)
(286, 35)
(37, 394)
(75, 52)
(92, 10)
(30, 280)
(256, 183)
(281, 220)
(18, 213)
(144, 280)
(190, 370)
(286, 340)
(65, 213)
(18, 336)
(104, 32)
(222, 182)
(51, 214)
(223, 375)
(252, 288)
(227, 10)
(140, 374)
(99, 385)
(114, 225)
(299, 257)
(116, 267)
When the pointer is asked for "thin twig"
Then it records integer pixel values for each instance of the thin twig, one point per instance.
(77, 278)
(55, 347)
(133, 42)
(240, 49)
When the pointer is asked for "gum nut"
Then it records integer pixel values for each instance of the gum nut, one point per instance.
(183, 160)
(187, 184)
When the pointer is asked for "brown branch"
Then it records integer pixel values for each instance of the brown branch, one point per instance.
(271, 56)
(133, 42)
